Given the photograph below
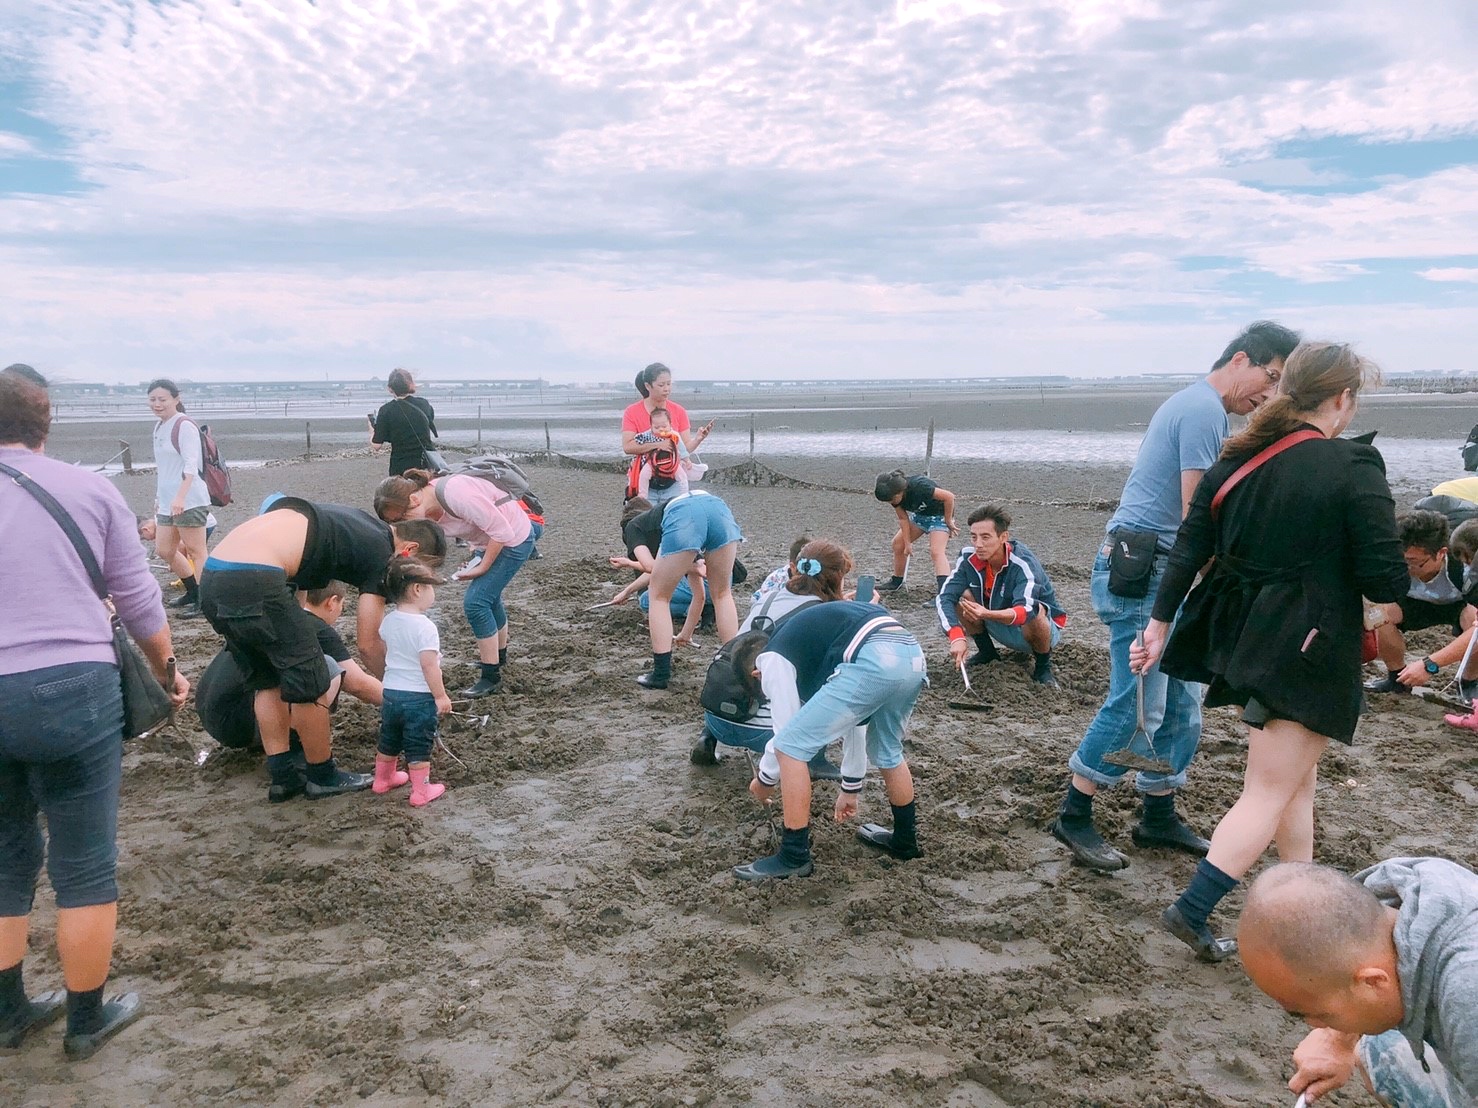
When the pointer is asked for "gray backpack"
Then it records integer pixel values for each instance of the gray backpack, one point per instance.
(502, 472)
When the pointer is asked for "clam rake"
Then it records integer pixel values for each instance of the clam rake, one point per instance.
(1139, 752)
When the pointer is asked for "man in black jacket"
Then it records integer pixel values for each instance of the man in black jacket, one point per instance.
(1436, 597)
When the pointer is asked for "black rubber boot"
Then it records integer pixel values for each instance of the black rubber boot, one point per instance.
(1042, 673)
(823, 768)
(1161, 826)
(660, 673)
(705, 750)
(985, 650)
(116, 1014)
(1207, 947)
(33, 1015)
(326, 779)
(901, 840)
(793, 859)
(488, 682)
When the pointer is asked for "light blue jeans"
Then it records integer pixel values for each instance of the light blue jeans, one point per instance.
(482, 603)
(1397, 1076)
(879, 686)
(1172, 708)
(737, 734)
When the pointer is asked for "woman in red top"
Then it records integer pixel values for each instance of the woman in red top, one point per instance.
(655, 385)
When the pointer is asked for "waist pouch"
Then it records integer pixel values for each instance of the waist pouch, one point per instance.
(1132, 563)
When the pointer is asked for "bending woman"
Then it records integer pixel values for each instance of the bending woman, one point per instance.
(664, 543)
(249, 595)
(488, 518)
(1275, 625)
(61, 722)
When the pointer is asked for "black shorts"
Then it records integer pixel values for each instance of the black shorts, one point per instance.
(1418, 615)
(272, 640)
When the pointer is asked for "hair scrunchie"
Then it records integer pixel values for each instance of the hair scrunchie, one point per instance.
(809, 566)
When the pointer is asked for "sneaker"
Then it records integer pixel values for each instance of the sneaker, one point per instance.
(344, 782)
(118, 1013)
(888, 586)
(1387, 684)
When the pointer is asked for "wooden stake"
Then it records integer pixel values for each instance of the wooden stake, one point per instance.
(127, 456)
(929, 449)
(308, 450)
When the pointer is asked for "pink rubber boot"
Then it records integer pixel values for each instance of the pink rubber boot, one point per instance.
(423, 792)
(388, 774)
(1468, 722)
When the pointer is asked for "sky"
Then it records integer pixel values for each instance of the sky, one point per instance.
(285, 189)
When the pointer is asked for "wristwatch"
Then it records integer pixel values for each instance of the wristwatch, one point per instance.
(1431, 667)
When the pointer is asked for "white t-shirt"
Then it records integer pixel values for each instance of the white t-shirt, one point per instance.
(171, 465)
(406, 634)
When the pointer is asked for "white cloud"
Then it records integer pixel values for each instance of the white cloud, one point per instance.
(282, 175)
(1451, 273)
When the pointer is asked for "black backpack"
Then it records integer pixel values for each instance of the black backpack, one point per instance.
(727, 692)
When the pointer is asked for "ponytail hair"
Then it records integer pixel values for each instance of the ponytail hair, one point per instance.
(890, 485)
(647, 377)
(394, 493)
(1314, 372)
(403, 573)
(820, 570)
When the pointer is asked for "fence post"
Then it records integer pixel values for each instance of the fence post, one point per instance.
(479, 427)
(751, 436)
(929, 449)
(308, 451)
(547, 448)
(127, 456)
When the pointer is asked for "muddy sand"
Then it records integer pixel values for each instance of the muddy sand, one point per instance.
(563, 928)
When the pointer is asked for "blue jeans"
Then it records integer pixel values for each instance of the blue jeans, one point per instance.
(1172, 708)
(737, 734)
(407, 725)
(880, 685)
(1399, 1078)
(61, 753)
(482, 603)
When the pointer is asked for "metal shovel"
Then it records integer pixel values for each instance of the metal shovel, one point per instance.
(1139, 753)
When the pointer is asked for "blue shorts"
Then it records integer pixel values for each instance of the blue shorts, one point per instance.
(928, 523)
(698, 522)
(878, 687)
(1014, 638)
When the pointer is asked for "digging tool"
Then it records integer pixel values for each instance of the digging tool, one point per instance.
(602, 604)
(968, 705)
(1302, 1101)
(1139, 752)
(769, 808)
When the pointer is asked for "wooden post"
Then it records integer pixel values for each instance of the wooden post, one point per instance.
(127, 456)
(547, 448)
(308, 451)
(479, 427)
(929, 449)
(751, 436)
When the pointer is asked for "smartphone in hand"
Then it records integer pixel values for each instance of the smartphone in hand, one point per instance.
(865, 588)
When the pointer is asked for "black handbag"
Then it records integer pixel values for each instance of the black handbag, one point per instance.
(1132, 563)
(146, 704)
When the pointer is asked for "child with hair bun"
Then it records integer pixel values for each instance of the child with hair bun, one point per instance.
(415, 695)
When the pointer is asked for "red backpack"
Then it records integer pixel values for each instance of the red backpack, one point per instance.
(213, 471)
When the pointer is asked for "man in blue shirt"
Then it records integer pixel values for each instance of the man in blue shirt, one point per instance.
(1183, 439)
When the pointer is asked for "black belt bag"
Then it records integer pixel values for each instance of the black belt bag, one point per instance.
(1132, 563)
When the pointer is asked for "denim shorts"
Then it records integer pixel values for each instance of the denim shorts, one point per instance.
(1014, 637)
(878, 688)
(927, 523)
(61, 755)
(407, 725)
(698, 521)
(190, 517)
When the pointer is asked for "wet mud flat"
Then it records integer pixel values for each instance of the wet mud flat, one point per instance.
(562, 926)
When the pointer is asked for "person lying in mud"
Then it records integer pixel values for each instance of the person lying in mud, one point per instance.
(1384, 966)
(666, 542)
(999, 593)
(826, 671)
(247, 594)
(224, 703)
(817, 571)
(923, 508)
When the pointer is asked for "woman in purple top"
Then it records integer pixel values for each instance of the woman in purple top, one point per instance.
(61, 722)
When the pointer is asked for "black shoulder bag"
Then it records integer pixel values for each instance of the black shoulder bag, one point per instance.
(435, 461)
(146, 704)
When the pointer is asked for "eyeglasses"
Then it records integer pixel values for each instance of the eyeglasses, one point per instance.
(1274, 375)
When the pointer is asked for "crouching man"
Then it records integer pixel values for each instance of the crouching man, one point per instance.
(836, 670)
(1384, 967)
(999, 593)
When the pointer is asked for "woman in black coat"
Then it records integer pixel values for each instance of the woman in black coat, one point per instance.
(1275, 625)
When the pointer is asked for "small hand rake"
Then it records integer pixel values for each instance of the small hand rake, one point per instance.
(1139, 752)
(968, 705)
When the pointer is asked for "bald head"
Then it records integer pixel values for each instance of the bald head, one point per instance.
(1320, 924)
